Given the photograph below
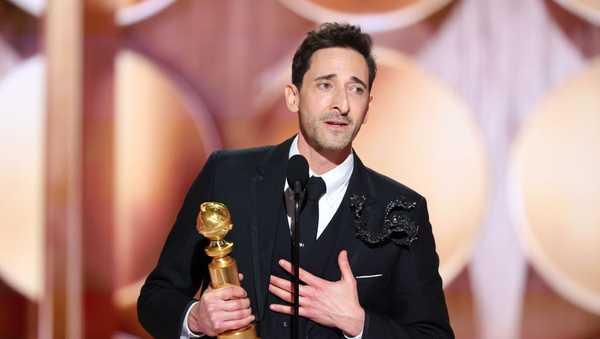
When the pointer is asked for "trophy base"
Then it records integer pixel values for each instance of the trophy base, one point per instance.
(249, 332)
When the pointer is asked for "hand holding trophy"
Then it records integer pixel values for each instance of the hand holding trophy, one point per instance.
(214, 222)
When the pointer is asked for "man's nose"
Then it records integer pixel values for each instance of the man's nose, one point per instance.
(340, 101)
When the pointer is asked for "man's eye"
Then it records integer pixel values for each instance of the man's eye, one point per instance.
(324, 85)
(357, 89)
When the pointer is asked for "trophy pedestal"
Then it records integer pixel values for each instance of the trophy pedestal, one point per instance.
(223, 272)
(214, 222)
(249, 332)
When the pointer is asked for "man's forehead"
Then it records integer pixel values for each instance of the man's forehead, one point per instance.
(340, 62)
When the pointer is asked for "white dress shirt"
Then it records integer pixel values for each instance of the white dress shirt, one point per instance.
(336, 183)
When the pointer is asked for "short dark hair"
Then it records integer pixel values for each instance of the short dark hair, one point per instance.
(332, 35)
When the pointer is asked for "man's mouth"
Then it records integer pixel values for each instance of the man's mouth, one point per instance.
(336, 123)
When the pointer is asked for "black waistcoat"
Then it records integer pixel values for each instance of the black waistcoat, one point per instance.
(313, 259)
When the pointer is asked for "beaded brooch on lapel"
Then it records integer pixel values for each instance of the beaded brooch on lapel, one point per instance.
(397, 227)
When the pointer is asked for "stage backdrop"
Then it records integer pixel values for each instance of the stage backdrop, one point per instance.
(489, 108)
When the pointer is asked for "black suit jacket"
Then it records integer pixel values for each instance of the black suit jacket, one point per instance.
(404, 300)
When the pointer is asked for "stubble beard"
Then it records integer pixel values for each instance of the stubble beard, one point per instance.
(322, 140)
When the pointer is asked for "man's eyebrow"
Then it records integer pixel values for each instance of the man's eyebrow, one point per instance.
(355, 79)
(326, 77)
(333, 75)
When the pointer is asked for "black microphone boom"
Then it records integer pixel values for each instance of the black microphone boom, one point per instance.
(297, 177)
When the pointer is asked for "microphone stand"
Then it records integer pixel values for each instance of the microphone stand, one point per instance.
(296, 259)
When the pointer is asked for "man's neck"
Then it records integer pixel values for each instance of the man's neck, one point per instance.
(321, 161)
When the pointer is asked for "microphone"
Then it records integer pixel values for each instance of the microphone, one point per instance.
(297, 173)
(297, 177)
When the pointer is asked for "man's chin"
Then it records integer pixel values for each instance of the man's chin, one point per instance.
(333, 147)
(324, 143)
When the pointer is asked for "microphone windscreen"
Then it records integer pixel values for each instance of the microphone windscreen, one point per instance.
(297, 171)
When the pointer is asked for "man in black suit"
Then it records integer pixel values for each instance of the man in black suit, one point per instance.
(369, 265)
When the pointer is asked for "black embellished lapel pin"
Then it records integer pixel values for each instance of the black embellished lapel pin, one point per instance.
(397, 226)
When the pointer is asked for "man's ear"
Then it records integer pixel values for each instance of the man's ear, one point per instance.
(292, 98)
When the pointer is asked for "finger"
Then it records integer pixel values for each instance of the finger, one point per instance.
(282, 309)
(228, 293)
(305, 276)
(288, 296)
(241, 276)
(344, 265)
(207, 290)
(302, 311)
(233, 315)
(234, 324)
(286, 285)
(281, 283)
(281, 293)
(236, 304)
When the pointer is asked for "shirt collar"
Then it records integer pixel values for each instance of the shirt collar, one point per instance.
(336, 177)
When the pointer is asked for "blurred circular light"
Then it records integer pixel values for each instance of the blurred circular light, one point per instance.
(372, 16)
(128, 11)
(163, 134)
(556, 188)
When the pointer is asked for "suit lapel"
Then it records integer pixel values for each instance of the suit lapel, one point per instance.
(267, 196)
(358, 185)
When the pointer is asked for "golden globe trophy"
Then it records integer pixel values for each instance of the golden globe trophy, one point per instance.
(214, 222)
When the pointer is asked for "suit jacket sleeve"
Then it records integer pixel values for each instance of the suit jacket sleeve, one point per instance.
(182, 266)
(418, 306)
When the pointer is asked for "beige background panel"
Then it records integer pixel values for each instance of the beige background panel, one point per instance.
(556, 166)
(21, 145)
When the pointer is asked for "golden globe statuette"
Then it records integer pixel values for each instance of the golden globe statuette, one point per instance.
(214, 222)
